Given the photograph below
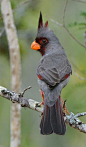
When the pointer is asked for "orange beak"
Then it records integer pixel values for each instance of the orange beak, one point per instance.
(35, 46)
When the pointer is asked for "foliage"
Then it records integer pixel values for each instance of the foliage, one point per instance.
(81, 25)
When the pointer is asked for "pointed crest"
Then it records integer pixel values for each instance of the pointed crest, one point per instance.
(40, 24)
(46, 24)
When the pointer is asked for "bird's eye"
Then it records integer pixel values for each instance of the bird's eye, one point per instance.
(44, 41)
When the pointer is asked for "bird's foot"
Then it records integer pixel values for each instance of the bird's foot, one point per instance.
(39, 104)
(65, 107)
(42, 103)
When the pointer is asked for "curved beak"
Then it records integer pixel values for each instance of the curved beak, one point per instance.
(35, 46)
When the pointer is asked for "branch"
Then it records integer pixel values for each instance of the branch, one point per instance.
(63, 25)
(76, 71)
(81, 78)
(85, 39)
(18, 98)
(71, 119)
(64, 13)
(80, 1)
(15, 65)
(74, 37)
(66, 27)
(21, 4)
(74, 122)
(55, 21)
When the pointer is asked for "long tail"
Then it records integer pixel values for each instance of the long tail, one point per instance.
(52, 119)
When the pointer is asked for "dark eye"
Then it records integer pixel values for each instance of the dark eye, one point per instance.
(44, 41)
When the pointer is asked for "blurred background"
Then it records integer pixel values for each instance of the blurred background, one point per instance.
(26, 20)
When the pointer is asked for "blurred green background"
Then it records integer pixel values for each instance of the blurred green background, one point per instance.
(26, 21)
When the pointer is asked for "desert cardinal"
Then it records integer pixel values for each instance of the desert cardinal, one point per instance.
(53, 73)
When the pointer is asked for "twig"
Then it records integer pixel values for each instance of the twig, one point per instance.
(81, 78)
(75, 69)
(74, 37)
(54, 21)
(22, 93)
(67, 31)
(21, 4)
(64, 13)
(74, 122)
(17, 98)
(80, 1)
(80, 114)
(66, 27)
(85, 39)
(71, 119)
(63, 25)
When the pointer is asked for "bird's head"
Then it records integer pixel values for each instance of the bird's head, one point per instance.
(45, 39)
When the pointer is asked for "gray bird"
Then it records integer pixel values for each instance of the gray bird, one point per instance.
(53, 73)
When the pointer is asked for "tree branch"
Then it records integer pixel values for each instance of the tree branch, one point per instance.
(17, 98)
(71, 119)
(85, 39)
(81, 78)
(74, 122)
(66, 27)
(74, 37)
(15, 64)
(21, 4)
(80, 1)
(64, 13)
(63, 25)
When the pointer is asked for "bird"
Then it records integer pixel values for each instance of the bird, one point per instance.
(53, 74)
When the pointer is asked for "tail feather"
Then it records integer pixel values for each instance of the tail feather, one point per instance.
(45, 124)
(62, 121)
(52, 119)
(55, 118)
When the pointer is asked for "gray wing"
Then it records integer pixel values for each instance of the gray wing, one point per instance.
(53, 68)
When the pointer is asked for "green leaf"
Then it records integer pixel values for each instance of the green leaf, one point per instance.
(82, 23)
(72, 24)
(83, 14)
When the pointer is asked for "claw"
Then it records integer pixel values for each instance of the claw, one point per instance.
(39, 104)
(65, 107)
(64, 104)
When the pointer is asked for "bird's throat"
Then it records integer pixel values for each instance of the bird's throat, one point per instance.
(42, 51)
